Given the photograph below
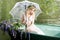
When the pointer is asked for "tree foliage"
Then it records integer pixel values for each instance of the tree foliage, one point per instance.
(47, 6)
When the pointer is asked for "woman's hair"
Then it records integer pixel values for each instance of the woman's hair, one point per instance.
(31, 7)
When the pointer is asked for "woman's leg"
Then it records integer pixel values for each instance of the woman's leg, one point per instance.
(33, 28)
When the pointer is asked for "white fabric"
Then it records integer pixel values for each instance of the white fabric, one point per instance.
(32, 27)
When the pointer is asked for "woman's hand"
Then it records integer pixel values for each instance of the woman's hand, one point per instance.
(29, 23)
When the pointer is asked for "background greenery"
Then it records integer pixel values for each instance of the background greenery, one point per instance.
(50, 10)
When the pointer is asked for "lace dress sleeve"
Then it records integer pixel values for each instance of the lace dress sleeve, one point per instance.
(32, 18)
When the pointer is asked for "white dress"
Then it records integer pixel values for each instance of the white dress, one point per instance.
(32, 28)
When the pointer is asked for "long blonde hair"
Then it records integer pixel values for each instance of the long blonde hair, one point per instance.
(31, 7)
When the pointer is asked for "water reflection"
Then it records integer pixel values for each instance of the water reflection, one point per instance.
(50, 30)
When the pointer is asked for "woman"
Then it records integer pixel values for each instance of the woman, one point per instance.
(28, 19)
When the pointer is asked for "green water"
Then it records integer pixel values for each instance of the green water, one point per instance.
(50, 30)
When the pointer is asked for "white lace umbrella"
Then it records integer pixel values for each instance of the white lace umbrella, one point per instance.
(20, 8)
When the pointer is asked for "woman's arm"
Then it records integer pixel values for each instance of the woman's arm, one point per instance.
(31, 21)
(22, 20)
